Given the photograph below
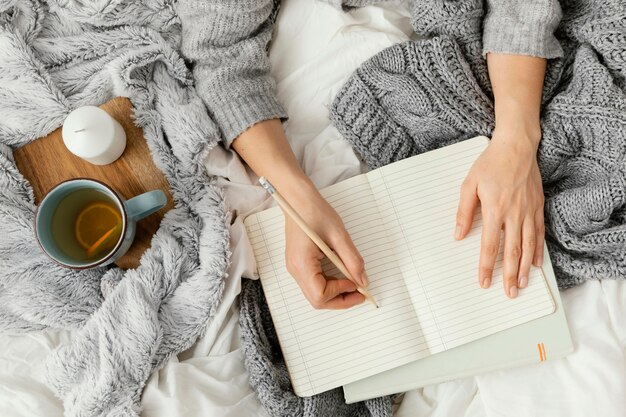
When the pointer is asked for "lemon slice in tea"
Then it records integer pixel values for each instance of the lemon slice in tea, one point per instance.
(94, 221)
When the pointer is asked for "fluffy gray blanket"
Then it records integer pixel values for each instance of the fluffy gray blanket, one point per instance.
(54, 57)
(418, 96)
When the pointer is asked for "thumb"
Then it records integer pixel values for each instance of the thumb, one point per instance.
(351, 258)
(465, 211)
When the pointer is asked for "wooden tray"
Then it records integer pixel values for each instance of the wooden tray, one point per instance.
(46, 162)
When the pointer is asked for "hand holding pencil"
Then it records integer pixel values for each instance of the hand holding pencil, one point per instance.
(336, 293)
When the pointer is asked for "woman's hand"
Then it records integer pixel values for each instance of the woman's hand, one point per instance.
(505, 180)
(304, 258)
(266, 150)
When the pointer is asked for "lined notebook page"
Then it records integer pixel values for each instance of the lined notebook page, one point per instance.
(418, 198)
(324, 349)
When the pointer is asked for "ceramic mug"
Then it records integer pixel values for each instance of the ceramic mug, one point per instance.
(131, 211)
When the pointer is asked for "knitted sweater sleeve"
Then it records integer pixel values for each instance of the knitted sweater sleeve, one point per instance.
(522, 27)
(227, 42)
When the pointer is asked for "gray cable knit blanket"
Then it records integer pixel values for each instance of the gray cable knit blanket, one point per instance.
(418, 96)
(54, 57)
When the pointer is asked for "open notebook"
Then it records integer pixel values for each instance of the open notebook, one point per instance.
(401, 217)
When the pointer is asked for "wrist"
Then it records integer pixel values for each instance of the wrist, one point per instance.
(513, 123)
(519, 137)
(296, 188)
(518, 143)
(304, 197)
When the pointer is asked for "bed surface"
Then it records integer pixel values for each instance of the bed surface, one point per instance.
(315, 49)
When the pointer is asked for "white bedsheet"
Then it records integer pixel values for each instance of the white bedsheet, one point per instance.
(314, 51)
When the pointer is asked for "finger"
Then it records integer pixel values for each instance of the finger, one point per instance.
(307, 271)
(468, 202)
(319, 290)
(512, 253)
(489, 245)
(334, 287)
(529, 242)
(540, 233)
(348, 253)
(306, 268)
(345, 300)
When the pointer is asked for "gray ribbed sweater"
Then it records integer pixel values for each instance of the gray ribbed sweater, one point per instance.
(227, 41)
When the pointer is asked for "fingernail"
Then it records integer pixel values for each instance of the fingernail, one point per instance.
(486, 282)
(539, 261)
(523, 282)
(513, 292)
(457, 232)
(364, 279)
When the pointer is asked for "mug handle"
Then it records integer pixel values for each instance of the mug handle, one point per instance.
(145, 204)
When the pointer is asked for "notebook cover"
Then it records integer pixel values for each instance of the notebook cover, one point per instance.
(542, 339)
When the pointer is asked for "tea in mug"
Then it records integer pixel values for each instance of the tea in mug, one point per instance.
(86, 224)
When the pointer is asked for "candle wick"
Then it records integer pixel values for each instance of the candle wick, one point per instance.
(80, 130)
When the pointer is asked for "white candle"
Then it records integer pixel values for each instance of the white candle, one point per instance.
(93, 135)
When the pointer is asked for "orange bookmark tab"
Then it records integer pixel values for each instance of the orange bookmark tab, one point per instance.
(542, 352)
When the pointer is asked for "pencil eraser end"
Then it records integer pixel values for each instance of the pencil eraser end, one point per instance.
(266, 184)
